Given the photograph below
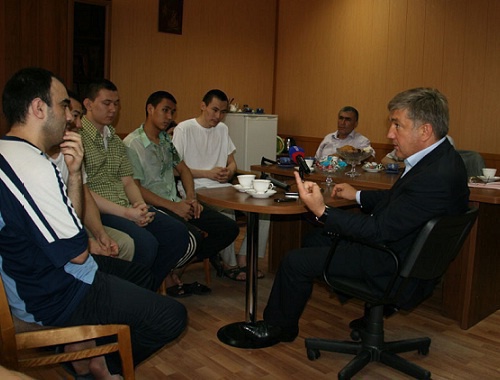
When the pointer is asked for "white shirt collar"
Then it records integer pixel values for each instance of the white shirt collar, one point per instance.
(414, 159)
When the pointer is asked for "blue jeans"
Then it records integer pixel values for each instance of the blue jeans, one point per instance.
(158, 246)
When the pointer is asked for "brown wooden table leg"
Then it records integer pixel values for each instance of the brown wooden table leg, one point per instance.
(471, 290)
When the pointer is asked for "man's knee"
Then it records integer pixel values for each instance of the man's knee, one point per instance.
(171, 322)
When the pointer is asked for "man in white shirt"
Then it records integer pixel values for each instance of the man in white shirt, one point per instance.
(206, 148)
(212, 162)
(345, 134)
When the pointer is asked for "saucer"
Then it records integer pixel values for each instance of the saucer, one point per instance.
(488, 179)
(267, 194)
(241, 189)
(374, 170)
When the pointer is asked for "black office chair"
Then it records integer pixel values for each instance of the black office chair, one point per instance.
(438, 243)
(474, 162)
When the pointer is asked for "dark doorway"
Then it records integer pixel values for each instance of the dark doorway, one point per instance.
(90, 50)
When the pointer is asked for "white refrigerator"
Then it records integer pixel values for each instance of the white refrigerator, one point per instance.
(254, 136)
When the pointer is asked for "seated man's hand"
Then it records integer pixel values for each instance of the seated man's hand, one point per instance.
(310, 193)
(183, 209)
(139, 213)
(196, 208)
(105, 246)
(72, 148)
(344, 191)
(219, 174)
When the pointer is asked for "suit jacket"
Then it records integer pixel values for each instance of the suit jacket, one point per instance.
(435, 186)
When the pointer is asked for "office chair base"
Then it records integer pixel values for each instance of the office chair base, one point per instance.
(384, 353)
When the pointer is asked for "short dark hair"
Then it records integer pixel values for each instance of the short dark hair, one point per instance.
(74, 95)
(218, 94)
(97, 85)
(20, 90)
(350, 109)
(424, 105)
(156, 97)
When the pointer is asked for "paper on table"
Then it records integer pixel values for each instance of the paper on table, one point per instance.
(491, 185)
(218, 185)
(208, 183)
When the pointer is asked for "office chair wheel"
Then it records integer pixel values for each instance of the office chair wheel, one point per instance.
(313, 354)
(423, 351)
(355, 335)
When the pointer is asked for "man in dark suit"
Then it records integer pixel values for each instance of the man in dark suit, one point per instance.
(434, 183)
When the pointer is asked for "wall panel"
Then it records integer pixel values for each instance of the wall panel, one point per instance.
(433, 38)
(489, 128)
(34, 33)
(225, 44)
(323, 55)
(474, 72)
(453, 63)
(361, 52)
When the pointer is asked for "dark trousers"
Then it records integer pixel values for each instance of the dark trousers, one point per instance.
(294, 279)
(154, 320)
(133, 272)
(158, 246)
(293, 286)
(221, 231)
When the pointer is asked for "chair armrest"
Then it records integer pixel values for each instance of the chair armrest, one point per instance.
(65, 335)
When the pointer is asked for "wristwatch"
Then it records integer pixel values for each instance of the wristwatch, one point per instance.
(322, 219)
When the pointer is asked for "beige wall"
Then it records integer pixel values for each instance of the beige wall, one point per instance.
(361, 52)
(328, 53)
(225, 44)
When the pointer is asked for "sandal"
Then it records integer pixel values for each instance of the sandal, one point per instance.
(233, 274)
(179, 291)
(259, 273)
(198, 289)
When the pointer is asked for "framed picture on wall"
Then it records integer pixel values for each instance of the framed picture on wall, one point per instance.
(170, 16)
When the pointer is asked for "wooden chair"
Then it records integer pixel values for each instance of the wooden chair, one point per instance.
(206, 270)
(20, 350)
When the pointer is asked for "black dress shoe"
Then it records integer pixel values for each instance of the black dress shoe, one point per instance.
(262, 331)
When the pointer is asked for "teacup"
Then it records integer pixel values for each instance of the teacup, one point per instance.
(489, 172)
(245, 180)
(310, 162)
(262, 185)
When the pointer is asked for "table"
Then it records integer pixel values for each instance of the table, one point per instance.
(228, 197)
(471, 290)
